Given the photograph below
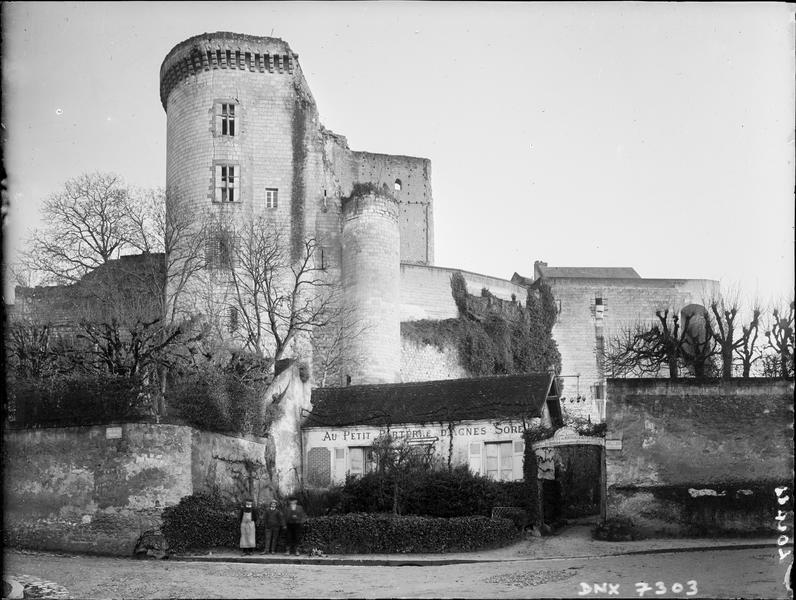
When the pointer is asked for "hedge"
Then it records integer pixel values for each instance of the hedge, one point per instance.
(455, 493)
(205, 521)
(75, 400)
(386, 533)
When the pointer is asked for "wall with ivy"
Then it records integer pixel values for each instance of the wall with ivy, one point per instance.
(490, 335)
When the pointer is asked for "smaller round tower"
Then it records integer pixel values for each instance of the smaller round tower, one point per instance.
(371, 269)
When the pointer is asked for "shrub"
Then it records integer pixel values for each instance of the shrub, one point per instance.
(373, 533)
(317, 503)
(456, 493)
(200, 521)
(616, 529)
(215, 400)
(76, 400)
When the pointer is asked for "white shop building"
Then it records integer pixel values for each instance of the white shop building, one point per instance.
(478, 422)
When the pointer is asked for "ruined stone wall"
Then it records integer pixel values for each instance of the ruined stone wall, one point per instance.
(97, 489)
(426, 291)
(410, 180)
(580, 323)
(698, 457)
(370, 278)
(424, 362)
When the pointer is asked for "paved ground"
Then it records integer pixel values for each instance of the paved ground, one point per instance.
(533, 568)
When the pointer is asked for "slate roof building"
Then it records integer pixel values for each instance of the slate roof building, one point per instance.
(476, 422)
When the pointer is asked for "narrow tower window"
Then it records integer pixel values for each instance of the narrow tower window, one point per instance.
(271, 197)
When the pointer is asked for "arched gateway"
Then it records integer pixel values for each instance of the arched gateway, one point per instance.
(551, 472)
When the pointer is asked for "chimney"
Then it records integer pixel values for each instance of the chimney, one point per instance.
(537, 272)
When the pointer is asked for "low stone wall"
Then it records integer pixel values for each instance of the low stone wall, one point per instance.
(699, 458)
(97, 489)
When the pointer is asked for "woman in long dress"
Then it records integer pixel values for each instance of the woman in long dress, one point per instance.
(248, 520)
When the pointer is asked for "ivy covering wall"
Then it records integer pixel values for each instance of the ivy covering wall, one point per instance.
(494, 336)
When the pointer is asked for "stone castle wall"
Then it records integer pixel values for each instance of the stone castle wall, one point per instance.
(699, 457)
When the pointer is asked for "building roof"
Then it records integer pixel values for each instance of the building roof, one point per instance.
(542, 270)
(505, 396)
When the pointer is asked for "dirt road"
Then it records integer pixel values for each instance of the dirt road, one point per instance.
(751, 573)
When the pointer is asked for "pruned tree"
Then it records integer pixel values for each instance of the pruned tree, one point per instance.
(274, 297)
(33, 351)
(747, 351)
(780, 336)
(734, 337)
(672, 342)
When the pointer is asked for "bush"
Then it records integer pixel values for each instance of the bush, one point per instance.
(318, 503)
(616, 529)
(200, 521)
(456, 493)
(75, 400)
(374, 533)
(205, 521)
(215, 400)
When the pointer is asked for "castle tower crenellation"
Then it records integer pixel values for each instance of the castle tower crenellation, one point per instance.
(224, 50)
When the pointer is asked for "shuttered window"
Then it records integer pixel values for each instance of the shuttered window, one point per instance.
(227, 178)
(226, 118)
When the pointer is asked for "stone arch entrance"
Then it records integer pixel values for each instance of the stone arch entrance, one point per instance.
(548, 454)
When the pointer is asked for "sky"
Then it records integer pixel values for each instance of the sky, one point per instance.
(653, 135)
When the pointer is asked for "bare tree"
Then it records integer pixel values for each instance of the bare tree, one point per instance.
(276, 298)
(723, 327)
(86, 225)
(780, 338)
(747, 352)
(332, 345)
(644, 349)
(184, 237)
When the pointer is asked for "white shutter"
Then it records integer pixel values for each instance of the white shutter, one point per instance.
(338, 470)
(218, 183)
(519, 459)
(475, 458)
(216, 119)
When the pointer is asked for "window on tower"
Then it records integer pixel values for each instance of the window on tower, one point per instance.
(271, 197)
(227, 178)
(226, 118)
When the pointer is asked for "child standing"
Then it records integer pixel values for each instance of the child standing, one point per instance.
(274, 523)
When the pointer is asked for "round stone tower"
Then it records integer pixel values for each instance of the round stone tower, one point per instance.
(239, 114)
(371, 250)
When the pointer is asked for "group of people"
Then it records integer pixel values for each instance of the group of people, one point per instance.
(291, 520)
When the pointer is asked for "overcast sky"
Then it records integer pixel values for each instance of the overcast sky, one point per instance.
(658, 136)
